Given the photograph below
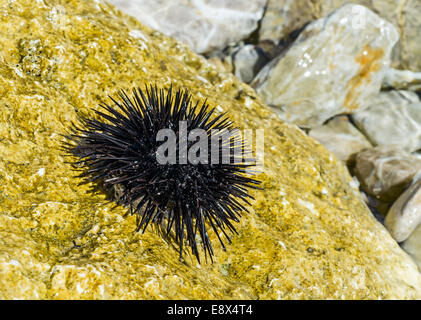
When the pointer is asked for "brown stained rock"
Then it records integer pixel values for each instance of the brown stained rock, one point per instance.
(308, 234)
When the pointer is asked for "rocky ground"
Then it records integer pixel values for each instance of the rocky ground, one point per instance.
(348, 75)
(309, 234)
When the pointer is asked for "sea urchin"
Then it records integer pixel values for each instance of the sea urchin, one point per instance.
(121, 146)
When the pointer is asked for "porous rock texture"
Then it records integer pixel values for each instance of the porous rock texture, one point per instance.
(308, 235)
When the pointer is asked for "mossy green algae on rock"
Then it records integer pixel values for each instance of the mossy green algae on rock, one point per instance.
(308, 235)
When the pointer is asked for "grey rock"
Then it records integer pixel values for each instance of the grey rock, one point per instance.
(378, 208)
(405, 214)
(384, 172)
(341, 138)
(270, 50)
(244, 60)
(402, 80)
(248, 60)
(413, 246)
(405, 15)
(393, 118)
(284, 16)
(335, 66)
(204, 25)
(224, 65)
(409, 52)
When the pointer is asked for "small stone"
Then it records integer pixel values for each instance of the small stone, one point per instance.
(335, 66)
(393, 118)
(384, 172)
(341, 138)
(405, 15)
(378, 208)
(203, 25)
(412, 246)
(402, 80)
(405, 214)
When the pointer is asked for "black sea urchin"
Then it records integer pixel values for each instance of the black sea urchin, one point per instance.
(121, 147)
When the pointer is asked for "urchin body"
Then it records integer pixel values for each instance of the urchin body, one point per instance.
(120, 148)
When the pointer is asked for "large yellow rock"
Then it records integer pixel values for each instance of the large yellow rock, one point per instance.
(308, 235)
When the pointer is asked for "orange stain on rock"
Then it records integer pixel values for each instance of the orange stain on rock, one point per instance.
(369, 59)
